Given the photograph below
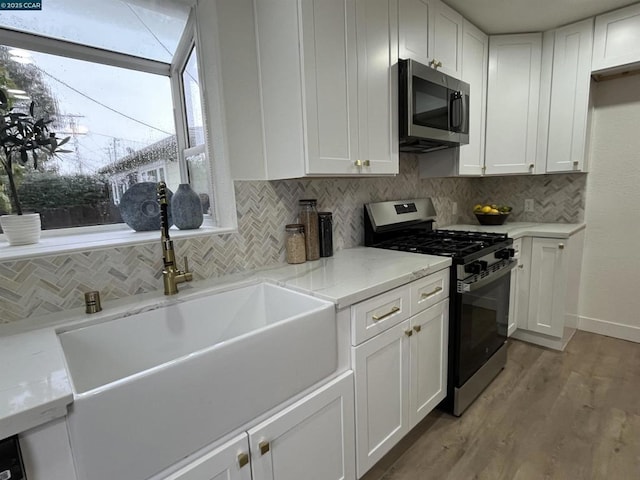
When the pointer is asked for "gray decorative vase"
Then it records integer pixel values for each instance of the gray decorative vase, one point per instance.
(186, 208)
(140, 209)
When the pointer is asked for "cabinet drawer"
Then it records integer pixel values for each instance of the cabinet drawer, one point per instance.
(429, 291)
(379, 313)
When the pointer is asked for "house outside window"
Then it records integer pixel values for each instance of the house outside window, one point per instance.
(109, 74)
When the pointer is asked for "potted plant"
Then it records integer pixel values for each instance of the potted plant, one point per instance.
(23, 140)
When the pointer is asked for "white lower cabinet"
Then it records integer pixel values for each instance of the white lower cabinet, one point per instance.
(227, 462)
(544, 297)
(313, 439)
(547, 286)
(428, 354)
(400, 376)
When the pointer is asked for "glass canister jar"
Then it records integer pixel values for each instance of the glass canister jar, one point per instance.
(295, 243)
(325, 222)
(309, 218)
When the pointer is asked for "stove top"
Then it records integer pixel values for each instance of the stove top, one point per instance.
(451, 243)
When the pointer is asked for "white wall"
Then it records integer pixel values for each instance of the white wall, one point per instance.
(609, 294)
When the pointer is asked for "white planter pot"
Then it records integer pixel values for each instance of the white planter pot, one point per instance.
(21, 229)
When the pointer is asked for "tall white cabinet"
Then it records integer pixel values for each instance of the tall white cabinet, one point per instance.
(475, 56)
(512, 103)
(569, 107)
(327, 87)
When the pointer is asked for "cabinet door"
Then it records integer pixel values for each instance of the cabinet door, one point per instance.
(446, 39)
(381, 367)
(227, 462)
(377, 52)
(475, 55)
(313, 439)
(548, 286)
(413, 20)
(512, 103)
(428, 353)
(519, 293)
(570, 83)
(329, 73)
(617, 39)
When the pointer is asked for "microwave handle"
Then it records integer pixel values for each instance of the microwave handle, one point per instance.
(457, 108)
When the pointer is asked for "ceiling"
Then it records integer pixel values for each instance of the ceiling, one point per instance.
(519, 16)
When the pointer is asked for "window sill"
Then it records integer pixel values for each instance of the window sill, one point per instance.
(69, 240)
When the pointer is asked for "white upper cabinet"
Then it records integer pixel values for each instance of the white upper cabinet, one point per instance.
(617, 39)
(431, 33)
(512, 103)
(447, 40)
(569, 108)
(328, 92)
(475, 55)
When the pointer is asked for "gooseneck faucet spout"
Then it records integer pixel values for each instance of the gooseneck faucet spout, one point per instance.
(171, 275)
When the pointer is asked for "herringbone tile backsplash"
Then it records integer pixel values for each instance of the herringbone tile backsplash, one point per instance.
(34, 288)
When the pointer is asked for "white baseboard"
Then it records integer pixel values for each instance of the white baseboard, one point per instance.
(610, 329)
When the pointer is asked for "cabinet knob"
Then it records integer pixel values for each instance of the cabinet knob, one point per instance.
(264, 447)
(520, 266)
(243, 459)
(417, 328)
(358, 163)
(408, 333)
(561, 246)
(531, 166)
(366, 163)
(435, 63)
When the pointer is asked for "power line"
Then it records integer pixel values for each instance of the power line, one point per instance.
(102, 104)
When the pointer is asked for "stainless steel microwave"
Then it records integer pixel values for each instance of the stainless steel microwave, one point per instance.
(434, 109)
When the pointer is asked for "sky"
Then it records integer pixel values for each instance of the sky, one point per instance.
(111, 108)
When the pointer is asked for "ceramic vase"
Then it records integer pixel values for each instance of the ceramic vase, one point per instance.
(21, 229)
(186, 208)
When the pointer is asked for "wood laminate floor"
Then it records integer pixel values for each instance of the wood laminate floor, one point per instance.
(548, 415)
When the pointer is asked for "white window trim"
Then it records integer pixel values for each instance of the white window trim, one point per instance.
(68, 240)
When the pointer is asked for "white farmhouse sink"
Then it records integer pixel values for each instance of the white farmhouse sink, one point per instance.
(153, 387)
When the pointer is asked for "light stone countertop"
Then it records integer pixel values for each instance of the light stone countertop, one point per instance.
(525, 229)
(35, 387)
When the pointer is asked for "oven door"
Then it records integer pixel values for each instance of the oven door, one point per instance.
(482, 317)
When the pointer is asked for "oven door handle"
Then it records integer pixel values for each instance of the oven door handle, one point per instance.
(470, 287)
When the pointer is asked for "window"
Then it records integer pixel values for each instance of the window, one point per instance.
(109, 74)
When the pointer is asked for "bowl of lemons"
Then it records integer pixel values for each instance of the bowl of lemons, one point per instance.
(491, 214)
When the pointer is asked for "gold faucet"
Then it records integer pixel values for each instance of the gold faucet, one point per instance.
(171, 275)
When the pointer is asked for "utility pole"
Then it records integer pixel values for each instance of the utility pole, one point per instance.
(74, 130)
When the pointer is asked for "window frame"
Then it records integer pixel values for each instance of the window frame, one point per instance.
(224, 217)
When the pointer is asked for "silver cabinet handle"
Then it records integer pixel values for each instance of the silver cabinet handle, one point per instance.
(561, 246)
(427, 295)
(408, 333)
(417, 328)
(377, 318)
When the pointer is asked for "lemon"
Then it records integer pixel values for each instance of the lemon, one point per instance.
(486, 209)
(493, 211)
(477, 208)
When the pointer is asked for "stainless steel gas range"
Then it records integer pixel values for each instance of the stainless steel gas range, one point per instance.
(479, 295)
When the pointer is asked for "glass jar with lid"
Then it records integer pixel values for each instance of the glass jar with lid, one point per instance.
(295, 243)
(309, 218)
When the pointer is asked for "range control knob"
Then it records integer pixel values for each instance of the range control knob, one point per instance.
(505, 253)
(476, 268)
